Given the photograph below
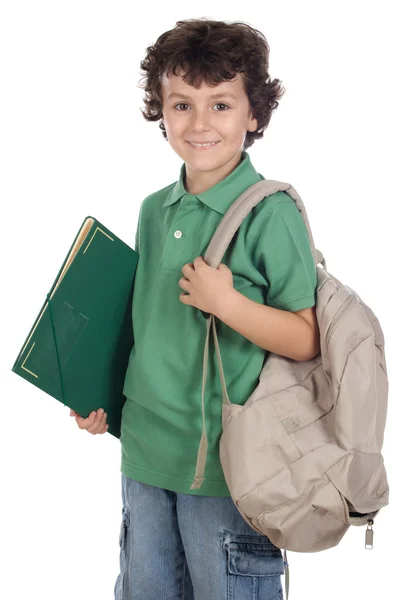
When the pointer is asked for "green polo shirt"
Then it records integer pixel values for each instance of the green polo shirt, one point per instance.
(271, 261)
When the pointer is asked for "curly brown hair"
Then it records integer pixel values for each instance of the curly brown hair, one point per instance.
(215, 51)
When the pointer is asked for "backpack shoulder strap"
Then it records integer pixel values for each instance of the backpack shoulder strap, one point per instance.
(236, 213)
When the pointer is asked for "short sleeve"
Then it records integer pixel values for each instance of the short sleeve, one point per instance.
(282, 254)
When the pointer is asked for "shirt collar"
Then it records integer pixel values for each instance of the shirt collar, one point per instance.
(221, 196)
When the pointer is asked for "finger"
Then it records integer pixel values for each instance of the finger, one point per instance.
(84, 423)
(98, 423)
(103, 425)
(93, 427)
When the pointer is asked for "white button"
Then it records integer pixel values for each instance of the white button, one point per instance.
(178, 234)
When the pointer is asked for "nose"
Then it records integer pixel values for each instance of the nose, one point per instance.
(200, 120)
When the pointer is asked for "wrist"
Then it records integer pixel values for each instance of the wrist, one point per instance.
(229, 301)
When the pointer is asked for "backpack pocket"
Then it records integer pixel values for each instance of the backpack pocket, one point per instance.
(305, 411)
(360, 478)
(305, 513)
(314, 433)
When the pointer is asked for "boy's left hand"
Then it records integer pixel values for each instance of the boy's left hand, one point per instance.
(208, 288)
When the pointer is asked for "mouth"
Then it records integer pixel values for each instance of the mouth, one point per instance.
(204, 146)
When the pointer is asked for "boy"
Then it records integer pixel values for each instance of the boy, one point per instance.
(182, 537)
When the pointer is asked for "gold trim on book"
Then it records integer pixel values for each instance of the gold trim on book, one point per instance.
(26, 358)
(97, 229)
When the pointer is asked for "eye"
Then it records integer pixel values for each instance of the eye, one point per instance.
(222, 104)
(217, 104)
(180, 104)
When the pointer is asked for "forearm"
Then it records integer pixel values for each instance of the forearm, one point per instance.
(278, 331)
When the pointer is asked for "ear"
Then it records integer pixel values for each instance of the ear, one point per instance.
(253, 124)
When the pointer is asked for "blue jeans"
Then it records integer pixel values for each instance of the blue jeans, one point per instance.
(176, 546)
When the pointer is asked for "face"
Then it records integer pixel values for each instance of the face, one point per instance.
(196, 115)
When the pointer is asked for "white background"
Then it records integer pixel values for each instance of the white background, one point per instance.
(73, 143)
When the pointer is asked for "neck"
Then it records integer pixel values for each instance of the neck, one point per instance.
(197, 182)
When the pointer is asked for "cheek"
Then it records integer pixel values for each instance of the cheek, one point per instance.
(174, 120)
(231, 127)
(177, 130)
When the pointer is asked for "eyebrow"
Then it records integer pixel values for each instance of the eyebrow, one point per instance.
(219, 95)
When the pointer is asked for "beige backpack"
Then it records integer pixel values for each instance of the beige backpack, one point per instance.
(302, 457)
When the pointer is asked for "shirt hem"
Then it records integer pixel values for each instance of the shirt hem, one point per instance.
(298, 303)
(174, 484)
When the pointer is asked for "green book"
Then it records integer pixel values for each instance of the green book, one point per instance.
(78, 348)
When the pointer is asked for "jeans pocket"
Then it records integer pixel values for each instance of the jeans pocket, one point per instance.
(124, 527)
(254, 567)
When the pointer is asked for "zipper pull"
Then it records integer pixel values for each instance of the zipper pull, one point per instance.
(369, 535)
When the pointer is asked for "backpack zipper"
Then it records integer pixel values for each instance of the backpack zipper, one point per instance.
(369, 535)
(335, 322)
(369, 528)
(338, 317)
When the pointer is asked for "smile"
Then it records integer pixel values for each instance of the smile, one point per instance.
(203, 146)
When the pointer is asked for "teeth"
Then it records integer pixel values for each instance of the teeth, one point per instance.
(210, 144)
